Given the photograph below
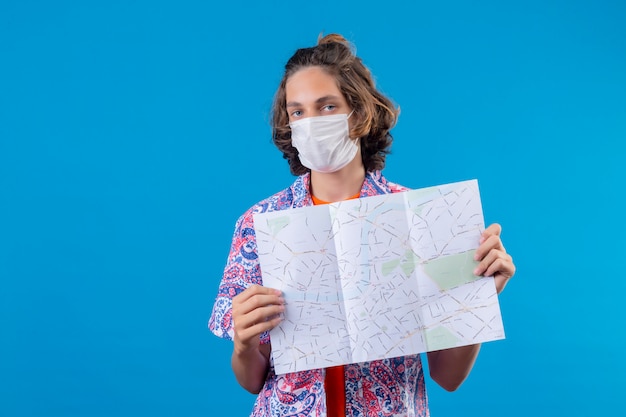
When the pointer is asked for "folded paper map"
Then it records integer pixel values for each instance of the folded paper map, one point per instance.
(377, 277)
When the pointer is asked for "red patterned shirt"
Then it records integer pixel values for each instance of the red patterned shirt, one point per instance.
(382, 388)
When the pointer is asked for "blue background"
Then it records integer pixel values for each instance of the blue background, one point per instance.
(134, 133)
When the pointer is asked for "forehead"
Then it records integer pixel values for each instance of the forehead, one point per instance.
(309, 84)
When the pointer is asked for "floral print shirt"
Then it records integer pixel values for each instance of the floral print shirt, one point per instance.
(382, 388)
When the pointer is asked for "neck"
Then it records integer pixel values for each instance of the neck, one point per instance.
(340, 185)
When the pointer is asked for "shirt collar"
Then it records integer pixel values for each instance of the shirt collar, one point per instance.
(374, 184)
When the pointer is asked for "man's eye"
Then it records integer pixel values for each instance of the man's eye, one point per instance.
(329, 107)
(296, 113)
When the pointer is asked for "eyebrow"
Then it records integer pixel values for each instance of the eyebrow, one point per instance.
(320, 100)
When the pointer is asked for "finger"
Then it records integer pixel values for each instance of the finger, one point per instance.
(495, 262)
(253, 324)
(251, 335)
(493, 242)
(268, 323)
(492, 256)
(255, 289)
(255, 304)
(259, 315)
(501, 266)
(254, 297)
(494, 229)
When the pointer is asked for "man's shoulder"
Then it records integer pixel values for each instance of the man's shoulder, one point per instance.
(289, 197)
(376, 183)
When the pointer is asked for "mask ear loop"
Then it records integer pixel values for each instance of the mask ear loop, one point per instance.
(357, 140)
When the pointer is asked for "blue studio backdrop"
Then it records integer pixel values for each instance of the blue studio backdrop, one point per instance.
(134, 133)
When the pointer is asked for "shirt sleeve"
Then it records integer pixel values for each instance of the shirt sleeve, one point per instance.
(397, 188)
(241, 271)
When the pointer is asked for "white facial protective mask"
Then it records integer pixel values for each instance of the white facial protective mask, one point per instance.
(323, 142)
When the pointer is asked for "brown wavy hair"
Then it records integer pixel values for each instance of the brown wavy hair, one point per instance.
(376, 115)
